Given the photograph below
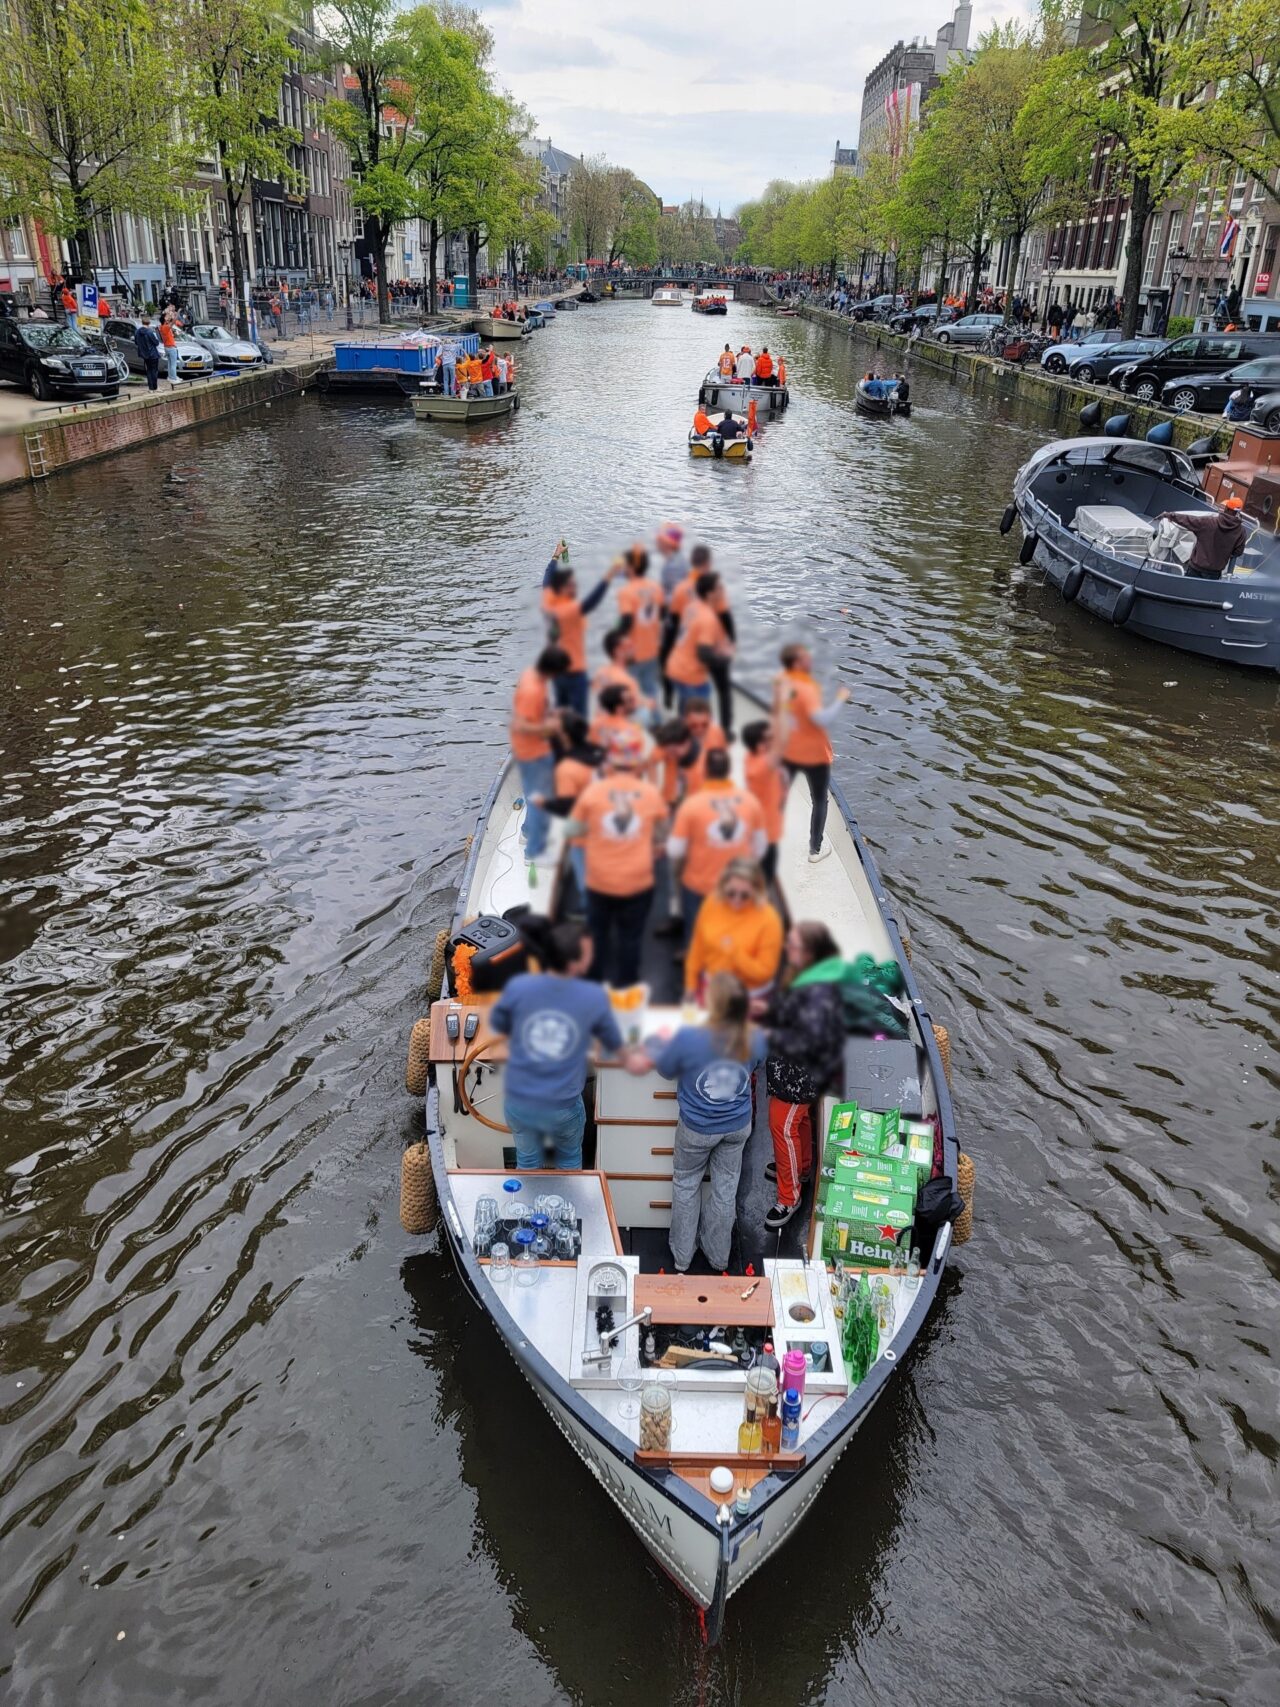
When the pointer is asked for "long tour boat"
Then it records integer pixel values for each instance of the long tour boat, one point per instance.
(668, 296)
(713, 1497)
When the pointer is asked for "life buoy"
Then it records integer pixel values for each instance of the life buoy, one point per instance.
(1027, 550)
(1073, 583)
(1122, 610)
(1008, 518)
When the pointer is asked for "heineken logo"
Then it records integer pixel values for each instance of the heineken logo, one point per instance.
(857, 1247)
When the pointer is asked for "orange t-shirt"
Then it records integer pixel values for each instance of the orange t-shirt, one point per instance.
(570, 626)
(167, 335)
(620, 813)
(719, 600)
(572, 777)
(702, 422)
(611, 675)
(530, 702)
(807, 742)
(718, 823)
(639, 599)
(764, 367)
(696, 773)
(700, 626)
(746, 941)
(606, 726)
(765, 780)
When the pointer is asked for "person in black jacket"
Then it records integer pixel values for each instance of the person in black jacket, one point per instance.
(806, 1046)
(146, 341)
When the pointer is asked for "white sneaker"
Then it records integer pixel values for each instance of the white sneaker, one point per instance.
(821, 854)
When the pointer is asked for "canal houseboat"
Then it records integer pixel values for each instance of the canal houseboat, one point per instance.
(1090, 510)
(603, 1322)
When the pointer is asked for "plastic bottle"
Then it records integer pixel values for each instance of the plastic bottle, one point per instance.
(793, 1371)
(790, 1420)
(768, 1360)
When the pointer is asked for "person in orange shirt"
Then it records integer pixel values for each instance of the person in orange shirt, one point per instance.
(718, 667)
(805, 746)
(623, 819)
(705, 736)
(578, 762)
(640, 603)
(169, 343)
(702, 423)
(736, 931)
(533, 723)
(617, 716)
(566, 616)
(616, 670)
(728, 364)
(702, 640)
(718, 823)
(764, 367)
(782, 371)
(764, 776)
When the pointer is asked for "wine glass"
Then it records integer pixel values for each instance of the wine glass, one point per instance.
(630, 1379)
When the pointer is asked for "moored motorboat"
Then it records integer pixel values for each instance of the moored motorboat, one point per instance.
(568, 1329)
(497, 328)
(432, 406)
(567, 304)
(880, 397)
(546, 311)
(1091, 514)
(734, 395)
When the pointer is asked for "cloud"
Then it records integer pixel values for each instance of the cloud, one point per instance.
(530, 50)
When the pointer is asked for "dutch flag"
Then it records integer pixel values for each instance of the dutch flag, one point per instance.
(1230, 231)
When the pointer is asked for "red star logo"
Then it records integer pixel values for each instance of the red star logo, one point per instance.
(888, 1232)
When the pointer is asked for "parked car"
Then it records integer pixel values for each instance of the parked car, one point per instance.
(1054, 360)
(227, 350)
(1208, 392)
(1266, 412)
(926, 317)
(194, 361)
(1207, 353)
(52, 360)
(970, 329)
(1094, 362)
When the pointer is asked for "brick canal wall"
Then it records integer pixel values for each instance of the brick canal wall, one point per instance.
(55, 443)
(1060, 400)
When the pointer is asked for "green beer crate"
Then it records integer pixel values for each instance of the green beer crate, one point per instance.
(913, 1150)
(872, 1131)
(871, 1243)
(875, 1173)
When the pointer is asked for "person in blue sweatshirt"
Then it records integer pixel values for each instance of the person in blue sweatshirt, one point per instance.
(550, 1019)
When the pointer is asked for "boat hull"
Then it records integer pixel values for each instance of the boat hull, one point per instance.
(878, 408)
(465, 408)
(717, 395)
(730, 450)
(502, 331)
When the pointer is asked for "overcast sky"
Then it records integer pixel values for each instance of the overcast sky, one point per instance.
(717, 106)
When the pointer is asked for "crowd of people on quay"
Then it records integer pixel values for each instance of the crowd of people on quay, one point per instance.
(660, 794)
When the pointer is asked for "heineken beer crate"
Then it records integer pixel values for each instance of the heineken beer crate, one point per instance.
(913, 1150)
(874, 1173)
(862, 1226)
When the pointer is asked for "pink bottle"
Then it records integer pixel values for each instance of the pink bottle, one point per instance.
(793, 1371)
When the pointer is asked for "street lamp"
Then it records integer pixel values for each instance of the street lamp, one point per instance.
(1177, 259)
(1052, 263)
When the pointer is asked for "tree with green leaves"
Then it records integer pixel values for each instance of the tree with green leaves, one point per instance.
(87, 92)
(1237, 51)
(237, 52)
(634, 237)
(1139, 88)
(491, 183)
(593, 206)
(412, 74)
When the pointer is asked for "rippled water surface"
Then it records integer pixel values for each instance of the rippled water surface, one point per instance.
(255, 1446)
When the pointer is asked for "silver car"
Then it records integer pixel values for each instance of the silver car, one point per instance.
(227, 350)
(972, 329)
(194, 361)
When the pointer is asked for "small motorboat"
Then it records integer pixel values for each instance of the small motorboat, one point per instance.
(668, 296)
(566, 304)
(879, 397)
(498, 329)
(546, 311)
(710, 305)
(1090, 510)
(432, 406)
(607, 1316)
(734, 395)
(722, 449)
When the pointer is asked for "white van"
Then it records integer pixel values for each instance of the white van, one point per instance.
(1258, 313)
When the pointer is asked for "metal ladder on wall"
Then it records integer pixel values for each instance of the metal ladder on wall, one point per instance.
(37, 463)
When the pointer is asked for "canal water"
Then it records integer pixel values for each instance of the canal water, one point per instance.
(254, 1443)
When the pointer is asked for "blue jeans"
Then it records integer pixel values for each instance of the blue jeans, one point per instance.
(450, 378)
(573, 692)
(578, 866)
(534, 1124)
(685, 693)
(537, 776)
(646, 675)
(171, 361)
(486, 388)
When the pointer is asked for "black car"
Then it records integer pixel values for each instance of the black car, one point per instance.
(926, 317)
(1199, 353)
(52, 360)
(1208, 392)
(1266, 412)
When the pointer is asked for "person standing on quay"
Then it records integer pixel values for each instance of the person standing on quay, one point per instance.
(168, 335)
(801, 719)
(147, 345)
